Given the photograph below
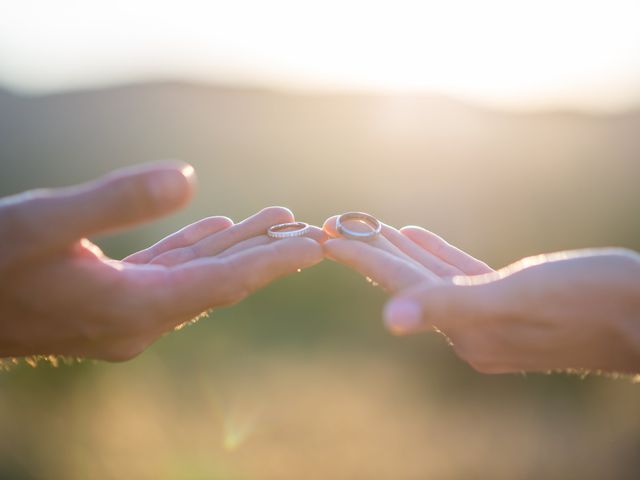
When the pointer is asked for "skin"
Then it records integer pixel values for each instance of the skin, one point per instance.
(570, 310)
(59, 294)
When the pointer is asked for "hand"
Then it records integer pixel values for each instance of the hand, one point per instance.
(573, 310)
(59, 294)
(400, 259)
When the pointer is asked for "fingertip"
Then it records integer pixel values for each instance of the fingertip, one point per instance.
(402, 316)
(169, 187)
(277, 214)
(329, 226)
(411, 228)
(218, 222)
(415, 233)
(330, 246)
(188, 171)
(317, 234)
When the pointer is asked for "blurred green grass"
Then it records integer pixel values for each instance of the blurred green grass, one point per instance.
(300, 380)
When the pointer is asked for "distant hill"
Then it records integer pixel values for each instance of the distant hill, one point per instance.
(502, 184)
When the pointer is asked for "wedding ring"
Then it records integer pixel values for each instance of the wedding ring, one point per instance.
(288, 230)
(369, 220)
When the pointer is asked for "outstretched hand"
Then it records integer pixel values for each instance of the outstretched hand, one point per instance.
(59, 294)
(399, 259)
(572, 310)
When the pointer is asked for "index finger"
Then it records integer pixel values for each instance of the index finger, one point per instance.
(381, 241)
(394, 242)
(393, 273)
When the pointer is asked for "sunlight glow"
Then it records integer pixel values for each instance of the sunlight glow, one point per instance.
(516, 53)
(237, 428)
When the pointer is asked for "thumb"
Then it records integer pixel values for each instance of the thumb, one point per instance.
(120, 199)
(441, 307)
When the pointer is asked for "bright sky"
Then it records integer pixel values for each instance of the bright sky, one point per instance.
(516, 53)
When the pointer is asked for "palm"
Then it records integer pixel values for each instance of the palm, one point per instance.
(114, 309)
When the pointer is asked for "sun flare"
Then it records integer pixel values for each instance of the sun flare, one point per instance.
(522, 53)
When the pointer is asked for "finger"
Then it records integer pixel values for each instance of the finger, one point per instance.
(317, 234)
(447, 252)
(214, 244)
(184, 237)
(442, 306)
(476, 319)
(390, 271)
(381, 241)
(314, 233)
(394, 242)
(118, 200)
(209, 282)
(422, 256)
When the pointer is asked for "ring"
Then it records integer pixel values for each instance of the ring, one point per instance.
(283, 230)
(370, 220)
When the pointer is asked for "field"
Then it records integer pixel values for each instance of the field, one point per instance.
(301, 380)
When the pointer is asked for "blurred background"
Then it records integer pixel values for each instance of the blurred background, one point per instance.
(509, 128)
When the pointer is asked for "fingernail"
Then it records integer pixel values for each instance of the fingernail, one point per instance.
(402, 316)
(170, 186)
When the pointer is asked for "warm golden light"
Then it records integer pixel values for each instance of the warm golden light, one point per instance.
(515, 53)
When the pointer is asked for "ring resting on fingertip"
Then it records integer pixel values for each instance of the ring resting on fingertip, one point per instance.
(288, 230)
(369, 220)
